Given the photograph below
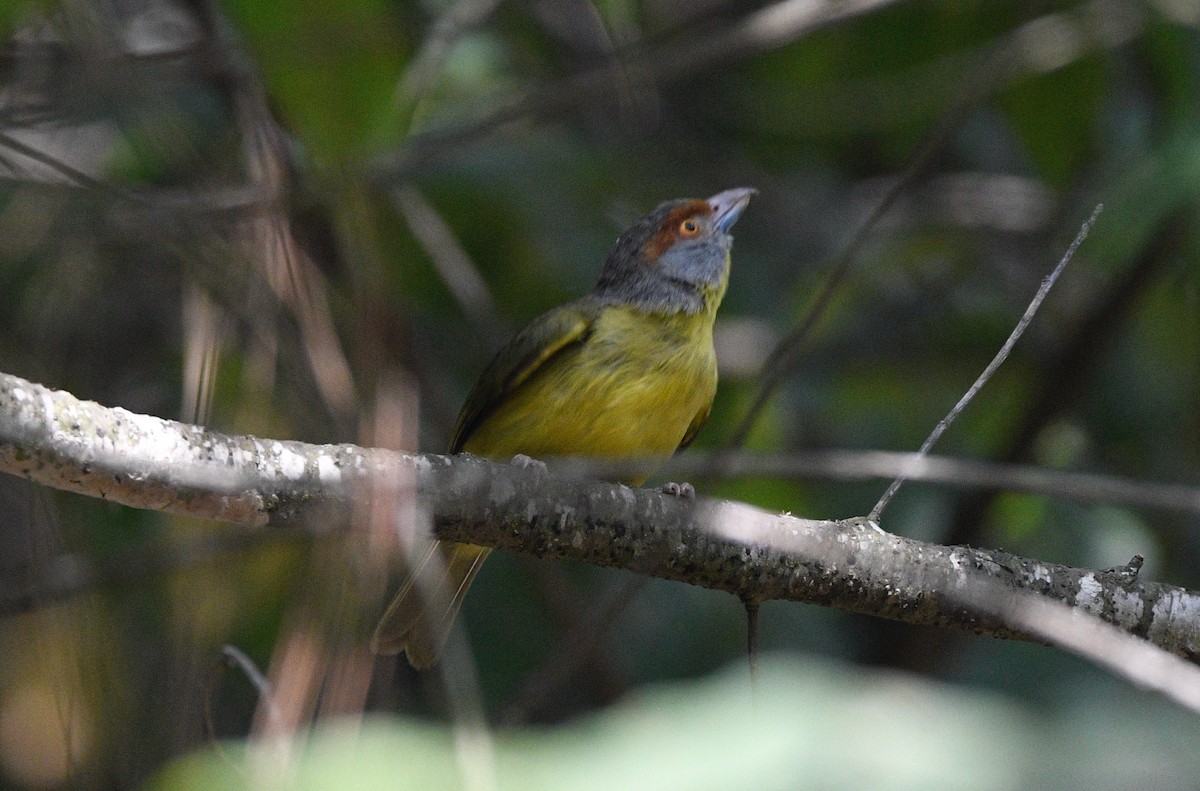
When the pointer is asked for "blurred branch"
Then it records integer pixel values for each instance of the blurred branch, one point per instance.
(54, 439)
(863, 465)
(293, 275)
(456, 20)
(237, 658)
(1044, 44)
(782, 360)
(449, 258)
(762, 30)
(1074, 631)
(71, 175)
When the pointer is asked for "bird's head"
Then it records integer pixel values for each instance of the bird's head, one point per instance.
(676, 258)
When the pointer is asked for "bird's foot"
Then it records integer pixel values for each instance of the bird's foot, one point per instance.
(682, 490)
(523, 462)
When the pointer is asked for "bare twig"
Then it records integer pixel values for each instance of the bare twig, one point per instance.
(1023, 50)
(783, 357)
(996, 362)
(1063, 379)
(752, 637)
(236, 657)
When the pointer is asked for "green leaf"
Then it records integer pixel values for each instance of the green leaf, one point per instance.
(811, 725)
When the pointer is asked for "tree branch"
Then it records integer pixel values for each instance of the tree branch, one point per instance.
(52, 438)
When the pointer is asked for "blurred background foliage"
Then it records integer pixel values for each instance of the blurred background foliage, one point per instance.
(317, 220)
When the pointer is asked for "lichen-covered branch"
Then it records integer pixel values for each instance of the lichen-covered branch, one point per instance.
(54, 439)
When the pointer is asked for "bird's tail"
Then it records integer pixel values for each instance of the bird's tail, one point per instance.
(418, 620)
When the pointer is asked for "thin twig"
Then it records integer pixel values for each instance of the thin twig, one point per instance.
(780, 361)
(999, 63)
(449, 258)
(996, 362)
(236, 657)
(752, 608)
(1072, 368)
(985, 75)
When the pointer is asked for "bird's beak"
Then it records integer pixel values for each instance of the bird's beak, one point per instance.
(727, 206)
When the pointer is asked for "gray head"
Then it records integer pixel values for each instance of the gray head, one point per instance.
(676, 257)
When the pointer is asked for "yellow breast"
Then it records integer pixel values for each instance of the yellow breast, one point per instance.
(631, 389)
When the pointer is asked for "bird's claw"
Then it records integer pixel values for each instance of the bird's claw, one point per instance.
(683, 490)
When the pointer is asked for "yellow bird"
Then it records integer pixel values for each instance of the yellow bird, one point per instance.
(626, 372)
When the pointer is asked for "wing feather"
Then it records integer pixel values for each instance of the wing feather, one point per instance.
(528, 351)
(697, 423)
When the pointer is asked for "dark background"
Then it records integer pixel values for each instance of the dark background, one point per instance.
(350, 210)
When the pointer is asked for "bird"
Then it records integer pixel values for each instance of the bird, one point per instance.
(627, 371)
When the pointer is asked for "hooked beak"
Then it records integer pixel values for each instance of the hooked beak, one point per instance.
(727, 206)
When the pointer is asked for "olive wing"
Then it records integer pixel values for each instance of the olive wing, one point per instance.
(697, 423)
(530, 349)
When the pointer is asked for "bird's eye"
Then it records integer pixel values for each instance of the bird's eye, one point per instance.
(689, 227)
